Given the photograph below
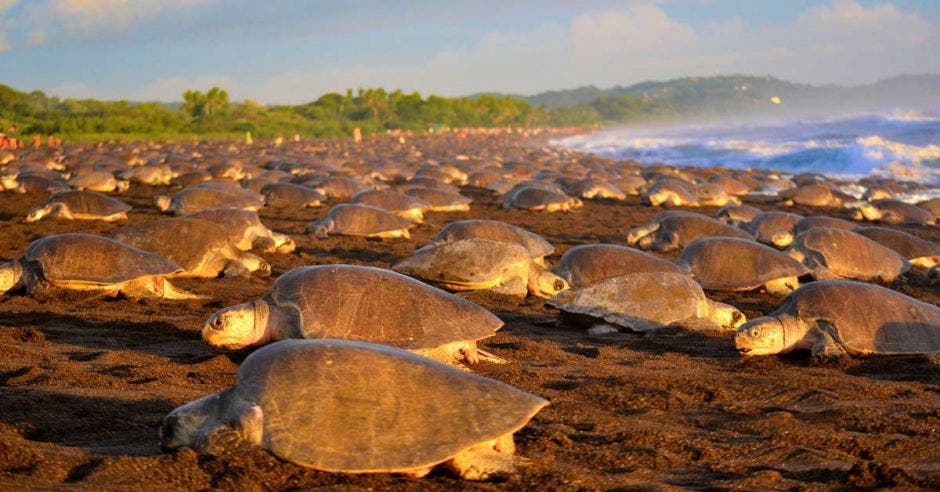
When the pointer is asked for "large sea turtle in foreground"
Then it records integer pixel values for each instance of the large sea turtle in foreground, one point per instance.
(202, 248)
(730, 264)
(357, 303)
(353, 407)
(80, 205)
(833, 318)
(482, 264)
(92, 264)
(647, 301)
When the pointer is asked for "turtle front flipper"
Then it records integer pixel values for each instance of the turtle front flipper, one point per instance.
(11, 274)
(826, 349)
(157, 286)
(485, 460)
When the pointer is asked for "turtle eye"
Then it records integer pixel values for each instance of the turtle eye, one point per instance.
(755, 332)
(217, 323)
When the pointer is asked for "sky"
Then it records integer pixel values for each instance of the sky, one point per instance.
(293, 51)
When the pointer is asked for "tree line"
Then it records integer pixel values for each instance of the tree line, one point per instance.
(211, 114)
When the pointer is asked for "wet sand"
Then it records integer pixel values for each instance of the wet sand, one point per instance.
(84, 386)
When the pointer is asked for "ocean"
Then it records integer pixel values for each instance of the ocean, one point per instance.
(902, 145)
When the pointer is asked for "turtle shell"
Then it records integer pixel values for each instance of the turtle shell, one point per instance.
(737, 214)
(242, 226)
(279, 194)
(641, 301)
(86, 202)
(533, 197)
(323, 409)
(851, 255)
(93, 259)
(339, 187)
(470, 262)
(366, 303)
(389, 200)
(814, 221)
(184, 241)
(907, 245)
(765, 225)
(496, 231)
(590, 263)
(361, 220)
(719, 263)
(203, 197)
(866, 318)
(438, 198)
(898, 212)
(688, 227)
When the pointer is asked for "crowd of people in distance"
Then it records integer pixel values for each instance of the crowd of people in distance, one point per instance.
(8, 140)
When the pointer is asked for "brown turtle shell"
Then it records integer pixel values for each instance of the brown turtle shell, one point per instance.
(289, 195)
(344, 406)
(89, 203)
(496, 231)
(720, 263)
(765, 225)
(688, 227)
(906, 245)
(469, 262)
(438, 198)
(93, 259)
(186, 242)
(362, 220)
(373, 304)
(850, 255)
(203, 197)
(588, 264)
(389, 200)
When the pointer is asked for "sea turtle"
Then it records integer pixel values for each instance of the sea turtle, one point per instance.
(590, 188)
(835, 252)
(429, 182)
(482, 264)
(498, 231)
(920, 252)
(440, 200)
(671, 231)
(670, 194)
(932, 205)
(588, 264)
(737, 215)
(538, 199)
(338, 187)
(814, 195)
(774, 228)
(289, 195)
(392, 201)
(101, 181)
(835, 318)
(723, 263)
(347, 219)
(631, 185)
(209, 195)
(150, 174)
(714, 195)
(33, 183)
(814, 221)
(646, 301)
(355, 407)
(93, 264)
(80, 205)
(894, 212)
(202, 248)
(357, 303)
(246, 231)
(730, 185)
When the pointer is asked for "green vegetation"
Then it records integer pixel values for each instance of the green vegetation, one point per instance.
(213, 115)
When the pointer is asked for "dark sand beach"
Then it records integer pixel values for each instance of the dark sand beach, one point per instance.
(84, 385)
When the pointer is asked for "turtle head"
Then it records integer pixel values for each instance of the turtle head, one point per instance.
(239, 326)
(39, 212)
(543, 283)
(636, 234)
(122, 185)
(10, 274)
(162, 202)
(867, 211)
(761, 336)
(194, 424)
(321, 228)
(8, 182)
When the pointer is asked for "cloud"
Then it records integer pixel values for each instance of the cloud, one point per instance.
(48, 20)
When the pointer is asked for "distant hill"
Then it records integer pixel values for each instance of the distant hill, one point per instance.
(737, 93)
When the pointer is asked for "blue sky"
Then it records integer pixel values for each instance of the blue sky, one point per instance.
(289, 51)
